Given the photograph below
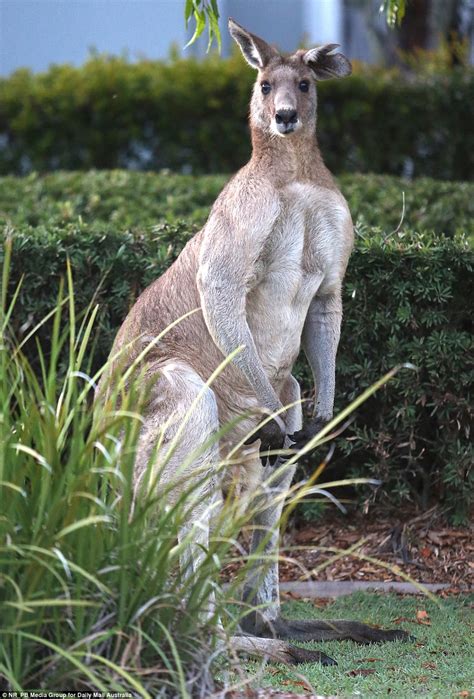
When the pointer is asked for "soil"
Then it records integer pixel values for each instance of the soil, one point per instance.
(422, 546)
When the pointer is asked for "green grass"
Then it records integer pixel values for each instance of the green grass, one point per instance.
(439, 663)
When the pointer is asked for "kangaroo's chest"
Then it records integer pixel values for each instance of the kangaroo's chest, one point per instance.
(306, 246)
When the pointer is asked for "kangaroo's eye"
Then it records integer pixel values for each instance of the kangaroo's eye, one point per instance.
(266, 87)
(304, 86)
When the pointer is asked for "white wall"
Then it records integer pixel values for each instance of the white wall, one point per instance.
(323, 20)
(36, 33)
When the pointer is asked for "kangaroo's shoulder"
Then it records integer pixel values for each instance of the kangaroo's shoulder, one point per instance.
(249, 204)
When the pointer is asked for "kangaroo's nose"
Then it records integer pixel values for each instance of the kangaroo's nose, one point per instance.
(286, 116)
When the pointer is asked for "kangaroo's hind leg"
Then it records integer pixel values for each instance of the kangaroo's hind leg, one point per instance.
(261, 587)
(177, 454)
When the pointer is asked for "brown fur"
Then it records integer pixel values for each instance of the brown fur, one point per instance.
(265, 273)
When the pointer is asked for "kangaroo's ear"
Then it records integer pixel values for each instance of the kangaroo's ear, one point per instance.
(256, 51)
(326, 64)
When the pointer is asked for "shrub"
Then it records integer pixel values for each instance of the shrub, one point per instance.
(131, 199)
(405, 300)
(186, 114)
(377, 200)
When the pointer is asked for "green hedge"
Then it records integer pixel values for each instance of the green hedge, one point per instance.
(189, 114)
(131, 199)
(406, 300)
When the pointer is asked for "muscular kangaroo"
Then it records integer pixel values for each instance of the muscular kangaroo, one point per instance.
(265, 273)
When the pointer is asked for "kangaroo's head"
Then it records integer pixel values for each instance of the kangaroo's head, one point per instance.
(284, 96)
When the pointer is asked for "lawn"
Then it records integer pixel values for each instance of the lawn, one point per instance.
(439, 663)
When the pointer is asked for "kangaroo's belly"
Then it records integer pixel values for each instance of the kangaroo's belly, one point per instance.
(276, 318)
(301, 257)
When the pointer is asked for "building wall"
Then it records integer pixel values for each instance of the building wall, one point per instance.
(36, 33)
(287, 24)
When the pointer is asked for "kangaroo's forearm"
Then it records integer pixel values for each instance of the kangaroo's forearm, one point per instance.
(227, 325)
(320, 341)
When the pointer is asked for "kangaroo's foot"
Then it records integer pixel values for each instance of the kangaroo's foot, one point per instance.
(303, 655)
(337, 630)
(278, 651)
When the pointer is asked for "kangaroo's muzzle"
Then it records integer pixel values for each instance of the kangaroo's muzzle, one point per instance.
(286, 120)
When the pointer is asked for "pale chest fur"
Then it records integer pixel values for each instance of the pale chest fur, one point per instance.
(305, 254)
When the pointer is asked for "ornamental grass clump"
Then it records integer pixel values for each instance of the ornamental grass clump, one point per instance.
(90, 596)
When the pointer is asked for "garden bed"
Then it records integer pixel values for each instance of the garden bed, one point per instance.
(423, 547)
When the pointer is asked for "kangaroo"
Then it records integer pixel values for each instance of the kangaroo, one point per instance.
(265, 274)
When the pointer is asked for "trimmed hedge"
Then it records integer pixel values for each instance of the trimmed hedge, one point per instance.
(142, 199)
(406, 299)
(193, 115)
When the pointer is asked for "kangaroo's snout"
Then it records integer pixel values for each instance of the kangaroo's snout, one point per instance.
(286, 119)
